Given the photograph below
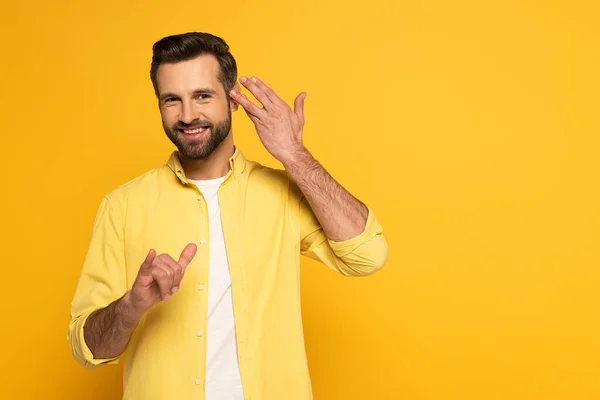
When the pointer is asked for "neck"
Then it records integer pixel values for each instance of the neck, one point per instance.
(214, 166)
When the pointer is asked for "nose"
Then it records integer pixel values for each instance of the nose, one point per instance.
(187, 113)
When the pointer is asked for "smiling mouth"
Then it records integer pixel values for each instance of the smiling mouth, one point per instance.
(193, 130)
(194, 133)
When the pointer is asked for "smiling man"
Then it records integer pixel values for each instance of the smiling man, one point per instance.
(192, 272)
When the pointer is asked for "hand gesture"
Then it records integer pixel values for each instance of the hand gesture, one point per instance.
(278, 127)
(159, 277)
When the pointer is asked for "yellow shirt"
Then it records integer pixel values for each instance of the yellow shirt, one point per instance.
(267, 224)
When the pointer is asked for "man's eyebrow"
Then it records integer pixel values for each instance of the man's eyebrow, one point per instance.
(166, 95)
(205, 91)
(196, 92)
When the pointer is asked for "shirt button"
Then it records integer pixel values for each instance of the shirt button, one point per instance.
(200, 287)
(202, 241)
(197, 381)
(200, 198)
(199, 334)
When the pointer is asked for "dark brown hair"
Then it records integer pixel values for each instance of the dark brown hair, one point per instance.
(187, 46)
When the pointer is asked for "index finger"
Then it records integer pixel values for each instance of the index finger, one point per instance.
(267, 90)
(187, 255)
(247, 105)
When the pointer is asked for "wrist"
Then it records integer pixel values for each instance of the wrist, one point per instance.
(130, 313)
(296, 158)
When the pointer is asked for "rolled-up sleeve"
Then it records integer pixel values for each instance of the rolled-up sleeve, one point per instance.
(361, 255)
(102, 281)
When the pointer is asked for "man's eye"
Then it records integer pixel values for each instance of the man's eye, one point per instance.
(170, 100)
(203, 96)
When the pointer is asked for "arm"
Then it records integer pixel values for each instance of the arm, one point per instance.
(103, 313)
(102, 281)
(341, 215)
(107, 331)
(280, 130)
(336, 228)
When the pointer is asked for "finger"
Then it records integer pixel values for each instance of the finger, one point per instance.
(187, 255)
(176, 270)
(161, 263)
(257, 92)
(267, 90)
(163, 280)
(149, 258)
(299, 106)
(252, 117)
(247, 105)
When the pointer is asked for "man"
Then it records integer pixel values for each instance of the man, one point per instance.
(193, 267)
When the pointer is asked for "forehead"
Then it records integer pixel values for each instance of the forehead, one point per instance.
(188, 76)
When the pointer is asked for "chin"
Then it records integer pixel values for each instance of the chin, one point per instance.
(194, 153)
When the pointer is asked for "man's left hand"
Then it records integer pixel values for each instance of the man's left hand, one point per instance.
(278, 126)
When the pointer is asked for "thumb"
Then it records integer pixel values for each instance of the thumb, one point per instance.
(299, 105)
(187, 255)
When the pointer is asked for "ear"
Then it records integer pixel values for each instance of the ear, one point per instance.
(234, 104)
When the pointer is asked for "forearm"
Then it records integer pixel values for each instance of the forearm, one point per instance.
(340, 214)
(107, 331)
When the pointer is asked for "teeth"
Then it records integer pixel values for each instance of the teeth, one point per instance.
(193, 131)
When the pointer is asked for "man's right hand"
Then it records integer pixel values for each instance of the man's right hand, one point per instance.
(159, 277)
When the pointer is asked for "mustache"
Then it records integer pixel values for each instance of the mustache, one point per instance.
(194, 124)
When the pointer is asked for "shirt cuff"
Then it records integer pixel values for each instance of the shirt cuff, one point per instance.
(86, 357)
(372, 229)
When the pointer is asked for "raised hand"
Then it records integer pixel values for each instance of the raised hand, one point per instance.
(159, 277)
(278, 126)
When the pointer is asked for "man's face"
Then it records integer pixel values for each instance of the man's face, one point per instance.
(194, 107)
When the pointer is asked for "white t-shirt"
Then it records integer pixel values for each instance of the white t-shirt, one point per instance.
(223, 379)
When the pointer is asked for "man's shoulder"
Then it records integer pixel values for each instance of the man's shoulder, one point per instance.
(142, 185)
(263, 180)
(260, 173)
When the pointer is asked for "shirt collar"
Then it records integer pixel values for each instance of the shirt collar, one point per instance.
(237, 162)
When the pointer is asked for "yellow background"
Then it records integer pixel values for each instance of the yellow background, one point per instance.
(470, 127)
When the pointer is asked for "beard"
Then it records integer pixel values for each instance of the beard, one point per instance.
(203, 147)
